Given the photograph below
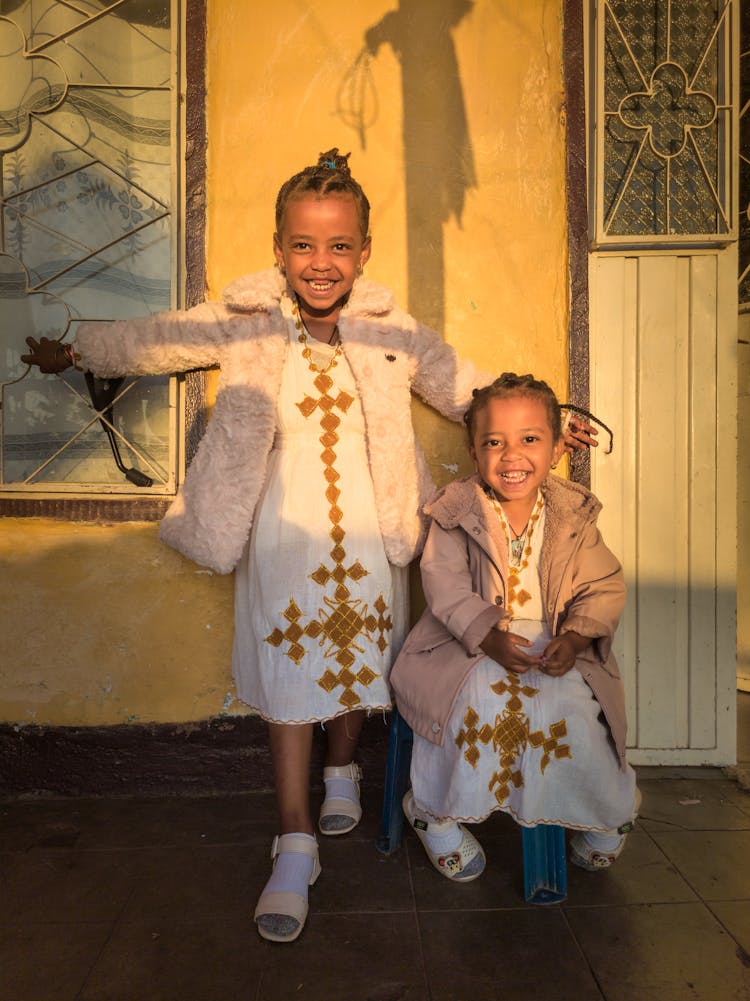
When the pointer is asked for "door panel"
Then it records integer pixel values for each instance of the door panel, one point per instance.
(662, 350)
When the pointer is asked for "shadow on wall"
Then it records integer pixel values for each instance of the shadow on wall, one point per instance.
(438, 159)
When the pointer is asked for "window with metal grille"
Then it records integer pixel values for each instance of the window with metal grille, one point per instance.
(665, 134)
(90, 209)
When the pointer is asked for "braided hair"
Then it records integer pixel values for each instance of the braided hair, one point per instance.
(510, 384)
(330, 175)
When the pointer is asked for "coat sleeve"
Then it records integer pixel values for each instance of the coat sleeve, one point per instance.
(442, 378)
(447, 584)
(598, 593)
(174, 341)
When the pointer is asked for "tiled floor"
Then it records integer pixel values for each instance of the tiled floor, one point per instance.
(139, 900)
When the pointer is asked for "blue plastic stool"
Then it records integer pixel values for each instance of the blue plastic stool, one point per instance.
(545, 877)
(400, 740)
(544, 871)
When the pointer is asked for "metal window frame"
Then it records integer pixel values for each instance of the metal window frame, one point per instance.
(726, 190)
(187, 392)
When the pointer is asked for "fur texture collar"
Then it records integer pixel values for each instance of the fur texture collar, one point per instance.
(565, 501)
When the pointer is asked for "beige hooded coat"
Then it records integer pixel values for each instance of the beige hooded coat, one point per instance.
(464, 571)
(390, 354)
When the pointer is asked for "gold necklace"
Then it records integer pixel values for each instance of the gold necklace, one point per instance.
(518, 555)
(306, 352)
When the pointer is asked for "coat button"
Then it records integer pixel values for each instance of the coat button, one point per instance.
(436, 728)
(499, 599)
(476, 531)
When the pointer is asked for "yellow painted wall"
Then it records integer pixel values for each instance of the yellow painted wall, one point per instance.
(291, 69)
(107, 625)
(102, 624)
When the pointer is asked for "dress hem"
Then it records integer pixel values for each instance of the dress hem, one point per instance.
(370, 710)
(558, 822)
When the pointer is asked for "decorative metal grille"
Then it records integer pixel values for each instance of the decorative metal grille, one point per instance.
(664, 142)
(89, 134)
(744, 161)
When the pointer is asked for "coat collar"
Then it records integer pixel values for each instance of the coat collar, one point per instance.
(569, 507)
(566, 502)
(263, 291)
(464, 503)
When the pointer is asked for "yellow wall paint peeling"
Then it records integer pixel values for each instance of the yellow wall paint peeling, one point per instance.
(457, 136)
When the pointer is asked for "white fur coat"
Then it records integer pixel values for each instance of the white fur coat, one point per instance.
(390, 355)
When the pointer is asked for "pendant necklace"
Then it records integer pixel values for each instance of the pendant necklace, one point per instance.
(517, 544)
(520, 551)
(306, 352)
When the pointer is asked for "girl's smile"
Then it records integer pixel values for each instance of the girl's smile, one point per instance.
(514, 450)
(321, 249)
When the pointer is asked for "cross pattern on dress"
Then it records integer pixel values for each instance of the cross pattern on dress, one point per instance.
(343, 620)
(510, 735)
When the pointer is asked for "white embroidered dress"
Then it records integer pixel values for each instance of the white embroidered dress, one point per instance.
(316, 601)
(529, 744)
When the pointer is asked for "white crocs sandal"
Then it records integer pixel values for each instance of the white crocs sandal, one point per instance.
(289, 905)
(339, 815)
(461, 865)
(592, 859)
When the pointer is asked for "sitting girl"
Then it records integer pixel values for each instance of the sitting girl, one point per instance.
(520, 589)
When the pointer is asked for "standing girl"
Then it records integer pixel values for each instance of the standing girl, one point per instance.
(508, 679)
(308, 482)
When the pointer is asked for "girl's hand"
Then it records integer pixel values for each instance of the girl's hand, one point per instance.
(561, 653)
(580, 435)
(50, 356)
(506, 650)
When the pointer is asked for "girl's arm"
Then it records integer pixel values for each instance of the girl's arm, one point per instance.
(479, 625)
(445, 381)
(447, 585)
(598, 593)
(174, 341)
(442, 378)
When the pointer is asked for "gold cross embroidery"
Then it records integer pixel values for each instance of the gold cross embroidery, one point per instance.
(343, 620)
(510, 736)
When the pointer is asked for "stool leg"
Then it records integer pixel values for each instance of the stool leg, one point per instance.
(545, 878)
(400, 740)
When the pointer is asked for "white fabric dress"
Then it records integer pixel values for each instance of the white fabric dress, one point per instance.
(318, 608)
(529, 744)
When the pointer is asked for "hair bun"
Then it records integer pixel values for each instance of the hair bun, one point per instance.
(334, 160)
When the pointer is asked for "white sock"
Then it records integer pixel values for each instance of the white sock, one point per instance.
(292, 871)
(337, 788)
(291, 874)
(602, 842)
(442, 838)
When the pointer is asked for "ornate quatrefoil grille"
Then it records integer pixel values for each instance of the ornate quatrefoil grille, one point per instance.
(664, 142)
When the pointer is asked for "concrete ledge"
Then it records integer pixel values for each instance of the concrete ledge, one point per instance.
(216, 756)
